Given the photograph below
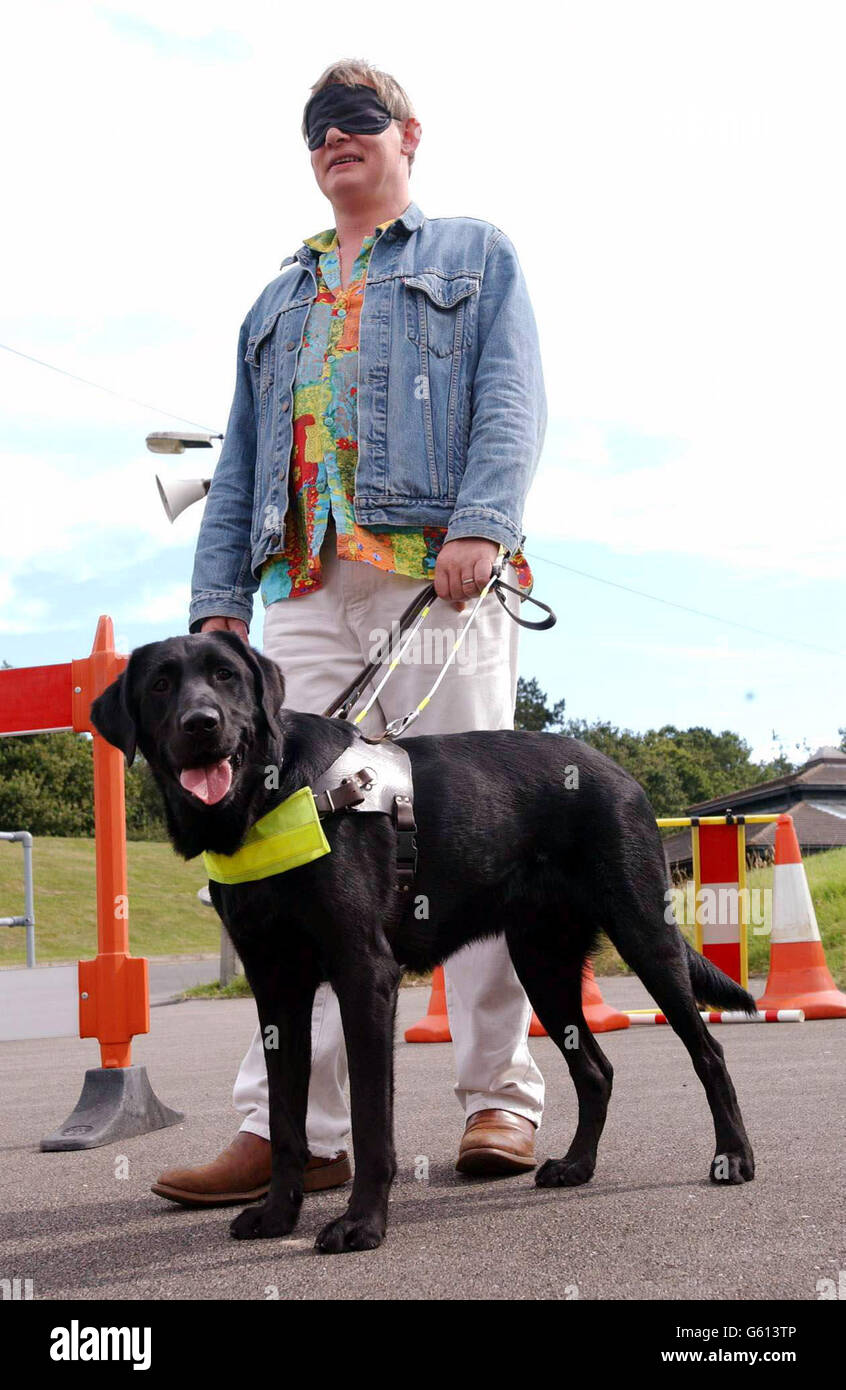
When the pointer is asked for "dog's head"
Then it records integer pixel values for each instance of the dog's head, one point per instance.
(202, 710)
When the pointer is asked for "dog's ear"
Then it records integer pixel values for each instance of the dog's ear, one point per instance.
(113, 717)
(268, 679)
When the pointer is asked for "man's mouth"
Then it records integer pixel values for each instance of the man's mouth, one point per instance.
(346, 159)
(211, 782)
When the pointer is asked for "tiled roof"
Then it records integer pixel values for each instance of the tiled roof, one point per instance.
(825, 770)
(816, 829)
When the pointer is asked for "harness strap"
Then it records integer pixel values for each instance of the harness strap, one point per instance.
(406, 830)
(348, 793)
(384, 784)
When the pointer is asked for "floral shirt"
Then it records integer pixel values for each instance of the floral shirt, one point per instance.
(325, 448)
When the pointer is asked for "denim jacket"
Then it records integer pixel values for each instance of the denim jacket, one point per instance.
(451, 402)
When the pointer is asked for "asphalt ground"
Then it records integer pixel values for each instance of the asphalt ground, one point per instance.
(85, 1225)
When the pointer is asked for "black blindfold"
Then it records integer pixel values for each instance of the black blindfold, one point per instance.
(355, 110)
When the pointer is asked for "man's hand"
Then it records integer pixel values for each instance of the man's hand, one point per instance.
(226, 625)
(463, 568)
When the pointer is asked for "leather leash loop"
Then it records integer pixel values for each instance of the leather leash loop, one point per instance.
(549, 621)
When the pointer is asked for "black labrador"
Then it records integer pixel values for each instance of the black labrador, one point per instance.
(507, 843)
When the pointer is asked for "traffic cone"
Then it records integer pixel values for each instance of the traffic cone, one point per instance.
(799, 977)
(600, 1017)
(435, 1026)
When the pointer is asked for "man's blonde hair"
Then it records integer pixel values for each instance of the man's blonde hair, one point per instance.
(356, 70)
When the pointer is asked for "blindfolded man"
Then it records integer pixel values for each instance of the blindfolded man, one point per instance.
(388, 416)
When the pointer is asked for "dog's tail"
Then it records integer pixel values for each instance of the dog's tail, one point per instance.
(711, 986)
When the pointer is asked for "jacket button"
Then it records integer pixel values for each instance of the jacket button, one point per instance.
(286, 405)
(290, 346)
(273, 542)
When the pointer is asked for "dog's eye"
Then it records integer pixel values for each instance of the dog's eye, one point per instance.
(161, 685)
(223, 673)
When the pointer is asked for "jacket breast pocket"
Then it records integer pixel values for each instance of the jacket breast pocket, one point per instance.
(261, 355)
(437, 308)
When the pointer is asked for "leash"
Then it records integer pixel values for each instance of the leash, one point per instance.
(292, 834)
(409, 624)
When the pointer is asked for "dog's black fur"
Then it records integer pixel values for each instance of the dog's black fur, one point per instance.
(505, 845)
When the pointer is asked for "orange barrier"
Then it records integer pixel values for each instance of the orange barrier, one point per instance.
(113, 988)
(799, 977)
(719, 867)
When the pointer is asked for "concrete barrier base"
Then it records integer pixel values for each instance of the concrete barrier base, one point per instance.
(116, 1103)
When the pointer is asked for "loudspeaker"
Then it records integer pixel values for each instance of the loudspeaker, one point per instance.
(179, 493)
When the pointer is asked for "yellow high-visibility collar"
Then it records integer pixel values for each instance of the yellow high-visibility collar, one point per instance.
(289, 835)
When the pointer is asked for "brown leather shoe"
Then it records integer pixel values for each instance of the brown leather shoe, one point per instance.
(242, 1174)
(497, 1142)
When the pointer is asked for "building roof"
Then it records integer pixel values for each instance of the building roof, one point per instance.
(824, 771)
(814, 795)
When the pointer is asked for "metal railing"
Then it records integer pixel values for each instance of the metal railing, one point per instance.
(28, 919)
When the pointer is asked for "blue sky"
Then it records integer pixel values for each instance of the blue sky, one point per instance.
(665, 172)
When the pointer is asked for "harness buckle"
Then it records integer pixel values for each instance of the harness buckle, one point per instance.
(406, 851)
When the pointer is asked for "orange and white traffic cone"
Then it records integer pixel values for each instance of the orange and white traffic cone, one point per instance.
(600, 1017)
(435, 1026)
(799, 977)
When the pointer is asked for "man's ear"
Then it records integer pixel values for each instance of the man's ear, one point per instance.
(267, 677)
(112, 716)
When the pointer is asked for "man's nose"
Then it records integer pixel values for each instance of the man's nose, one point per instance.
(332, 134)
(202, 719)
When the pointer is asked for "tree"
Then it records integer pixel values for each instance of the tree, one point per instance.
(47, 787)
(532, 714)
(676, 767)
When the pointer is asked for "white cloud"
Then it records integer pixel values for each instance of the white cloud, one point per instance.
(18, 614)
(767, 505)
(169, 605)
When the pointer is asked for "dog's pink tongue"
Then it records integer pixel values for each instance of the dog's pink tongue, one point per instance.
(210, 783)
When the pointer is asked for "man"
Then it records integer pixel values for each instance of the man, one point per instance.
(388, 416)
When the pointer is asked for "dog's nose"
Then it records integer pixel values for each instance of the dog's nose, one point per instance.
(200, 721)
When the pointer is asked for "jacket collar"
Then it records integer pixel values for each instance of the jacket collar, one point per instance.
(410, 221)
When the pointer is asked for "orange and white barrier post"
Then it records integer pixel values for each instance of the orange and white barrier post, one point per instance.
(799, 977)
(719, 875)
(725, 1016)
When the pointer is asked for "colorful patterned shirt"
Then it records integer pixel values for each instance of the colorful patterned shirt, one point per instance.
(325, 448)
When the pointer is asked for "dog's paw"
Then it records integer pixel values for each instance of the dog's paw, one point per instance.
(349, 1233)
(563, 1172)
(264, 1222)
(733, 1168)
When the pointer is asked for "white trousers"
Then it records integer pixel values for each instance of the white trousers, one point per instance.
(321, 641)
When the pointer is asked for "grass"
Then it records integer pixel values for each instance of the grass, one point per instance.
(236, 989)
(166, 917)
